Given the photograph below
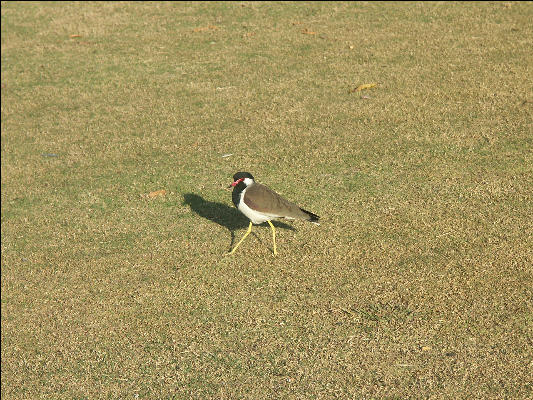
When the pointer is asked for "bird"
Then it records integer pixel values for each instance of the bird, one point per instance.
(261, 204)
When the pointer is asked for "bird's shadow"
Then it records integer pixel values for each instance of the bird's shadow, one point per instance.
(223, 215)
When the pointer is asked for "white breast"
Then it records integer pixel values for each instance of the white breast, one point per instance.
(254, 216)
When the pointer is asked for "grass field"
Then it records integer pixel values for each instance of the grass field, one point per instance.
(117, 121)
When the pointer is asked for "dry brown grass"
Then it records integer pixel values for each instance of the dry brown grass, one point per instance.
(417, 284)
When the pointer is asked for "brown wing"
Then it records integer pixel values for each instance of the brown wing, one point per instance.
(263, 199)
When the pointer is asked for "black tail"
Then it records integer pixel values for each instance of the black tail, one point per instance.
(312, 217)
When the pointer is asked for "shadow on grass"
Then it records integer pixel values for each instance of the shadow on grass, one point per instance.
(223, 215)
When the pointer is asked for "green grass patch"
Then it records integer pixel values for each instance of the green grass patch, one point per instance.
(116, 216)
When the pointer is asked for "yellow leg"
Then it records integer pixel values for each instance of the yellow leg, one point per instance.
(273, 236)
(244, 237)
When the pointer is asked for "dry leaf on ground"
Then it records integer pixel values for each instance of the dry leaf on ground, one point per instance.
(363, 87)
(161, 192)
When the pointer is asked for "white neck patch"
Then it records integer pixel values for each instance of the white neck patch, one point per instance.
(248, 181)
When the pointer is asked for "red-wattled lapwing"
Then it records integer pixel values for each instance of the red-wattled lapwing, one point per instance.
(260, 203)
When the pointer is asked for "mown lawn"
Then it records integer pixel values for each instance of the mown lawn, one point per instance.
(122, 125)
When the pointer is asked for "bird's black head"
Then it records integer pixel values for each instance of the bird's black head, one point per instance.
(242, 175)
(241, 180)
